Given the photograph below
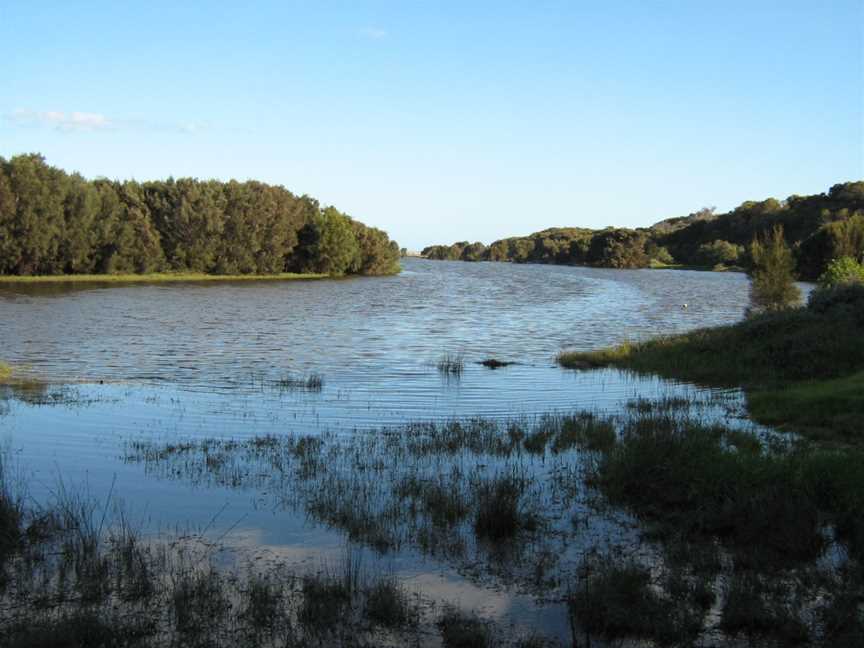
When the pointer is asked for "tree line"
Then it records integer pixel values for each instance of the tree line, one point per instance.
(817, 228)
(53, 222)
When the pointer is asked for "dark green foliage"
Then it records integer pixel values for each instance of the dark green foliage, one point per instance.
(324, 602)
(198, 601)
(501, 513)
(54, 223)
(768, 508)
(818, 228)
(460, 630)
(618, 248)
(798, 344)
(844, 301)
(615, 600)
(840, 271)
(772, 277)
(749, 612)
(719, 253)
(387, 604)
(79, 630)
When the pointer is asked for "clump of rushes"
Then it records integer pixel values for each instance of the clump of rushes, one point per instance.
(461, 630)
(387, 604)
(501, 513)
(616, 600)
(263, 602)
(749, 611)
(585, 430)
(199, 601)
(312, 383)
(451, 364)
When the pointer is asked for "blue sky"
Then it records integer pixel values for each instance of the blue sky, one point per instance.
(449, 120)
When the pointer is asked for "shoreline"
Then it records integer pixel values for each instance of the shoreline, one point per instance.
(156, 277)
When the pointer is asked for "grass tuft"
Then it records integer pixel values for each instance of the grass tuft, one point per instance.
(461, 630)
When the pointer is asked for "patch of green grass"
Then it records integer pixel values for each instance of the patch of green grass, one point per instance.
(5, 372)
(800, 367)
(827, 410)
(770, 508)
(154, 277)
(796, 344)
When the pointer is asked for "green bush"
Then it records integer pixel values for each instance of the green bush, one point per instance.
(842, 271)
(839, 300)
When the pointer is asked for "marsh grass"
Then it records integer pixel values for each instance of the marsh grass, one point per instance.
(752, 610)
(501, 511)
(829, 411)
(497, 500)
(770, 507)
(801, 367)
(461, 630)
(616, 599)
(451, 364)
(311, 383)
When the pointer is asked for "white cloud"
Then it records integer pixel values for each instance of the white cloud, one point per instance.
(374, 33)
(72, 121)
(90, 121)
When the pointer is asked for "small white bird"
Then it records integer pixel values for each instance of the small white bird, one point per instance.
(683, 306)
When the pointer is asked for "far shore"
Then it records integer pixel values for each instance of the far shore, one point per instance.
(155, 277)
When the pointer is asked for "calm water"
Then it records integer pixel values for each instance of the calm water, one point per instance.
(204, 360)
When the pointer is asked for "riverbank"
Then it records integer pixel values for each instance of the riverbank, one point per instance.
(154, 277)
(800, 368)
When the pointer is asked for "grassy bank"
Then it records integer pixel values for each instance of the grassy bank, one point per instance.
(801, 368)
(154, 277)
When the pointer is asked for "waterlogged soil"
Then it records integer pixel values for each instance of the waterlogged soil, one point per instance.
(285, 422)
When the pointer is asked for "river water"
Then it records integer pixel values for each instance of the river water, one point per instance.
(172, 362)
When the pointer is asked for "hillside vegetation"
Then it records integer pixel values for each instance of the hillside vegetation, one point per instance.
(818, 228)
(56, 223)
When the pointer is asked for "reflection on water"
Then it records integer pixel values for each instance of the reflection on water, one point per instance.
(184, 363)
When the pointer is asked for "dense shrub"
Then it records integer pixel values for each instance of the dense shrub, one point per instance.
(844, 270)
(843, 300)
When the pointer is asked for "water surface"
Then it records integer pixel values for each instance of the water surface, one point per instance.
(173, 362)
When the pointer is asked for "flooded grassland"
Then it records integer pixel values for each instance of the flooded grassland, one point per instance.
(330, 464)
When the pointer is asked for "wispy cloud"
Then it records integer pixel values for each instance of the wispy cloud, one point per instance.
(373, 33)
(90, 121)
(67, 121)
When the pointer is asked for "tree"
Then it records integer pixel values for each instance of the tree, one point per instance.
(772, 278)
(719, 252)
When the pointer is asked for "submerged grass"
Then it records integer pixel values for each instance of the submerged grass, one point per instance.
(451, 364)
(312, 383)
